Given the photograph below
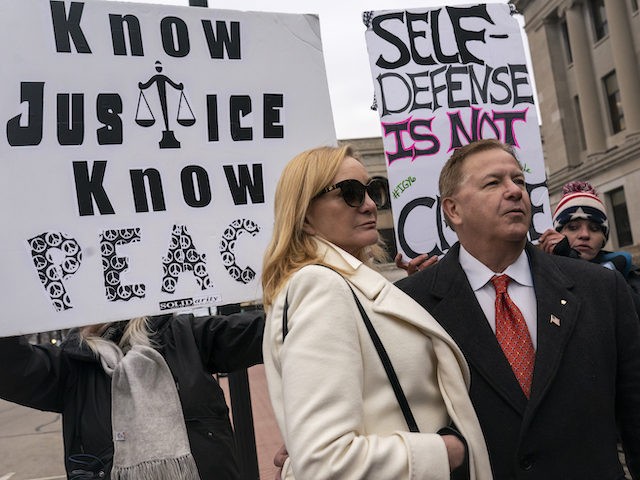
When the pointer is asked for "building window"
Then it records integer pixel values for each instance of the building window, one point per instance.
(599, 17)
(612, 93)
(580, 124)
(621, 217)
(565, 40)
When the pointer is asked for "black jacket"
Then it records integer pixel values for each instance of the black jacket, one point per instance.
(586, 377)
(620, 261)
(70, 380)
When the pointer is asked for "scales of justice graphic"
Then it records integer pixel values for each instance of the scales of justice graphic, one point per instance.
(145, 116)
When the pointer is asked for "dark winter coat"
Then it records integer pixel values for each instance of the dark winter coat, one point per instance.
(70, 380)
(586, 377)
(620, 261)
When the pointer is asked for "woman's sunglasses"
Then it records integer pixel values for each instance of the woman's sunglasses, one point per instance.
(352, 191)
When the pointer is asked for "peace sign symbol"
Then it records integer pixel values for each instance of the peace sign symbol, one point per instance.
(55, 289)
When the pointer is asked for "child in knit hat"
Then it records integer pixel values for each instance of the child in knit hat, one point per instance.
(581, 220)
(581, 230)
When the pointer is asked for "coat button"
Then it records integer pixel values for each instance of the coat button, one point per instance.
(526, 464)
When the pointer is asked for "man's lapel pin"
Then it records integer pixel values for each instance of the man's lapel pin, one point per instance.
(555, 320)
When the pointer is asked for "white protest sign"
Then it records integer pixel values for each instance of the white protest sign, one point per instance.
(445, 77)
(140, 150)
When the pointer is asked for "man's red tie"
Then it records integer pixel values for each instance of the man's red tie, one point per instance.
(513, 335)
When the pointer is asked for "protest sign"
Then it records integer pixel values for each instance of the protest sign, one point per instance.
(443, 78)
(140, 153)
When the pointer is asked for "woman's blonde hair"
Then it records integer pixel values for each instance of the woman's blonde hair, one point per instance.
(291, 248)
(136, 332)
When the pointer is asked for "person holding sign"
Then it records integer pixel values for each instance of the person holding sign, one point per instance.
(553, 344)
(581, 230)
(364, 383)
(415, 264)
(137, 398)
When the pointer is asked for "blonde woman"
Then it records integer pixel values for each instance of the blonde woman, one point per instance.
(137, 397)
(333, 399)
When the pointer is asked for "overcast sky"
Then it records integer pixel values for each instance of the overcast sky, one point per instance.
(345, 53)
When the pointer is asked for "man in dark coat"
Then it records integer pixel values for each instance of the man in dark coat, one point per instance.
(70, 380)
(585, 390)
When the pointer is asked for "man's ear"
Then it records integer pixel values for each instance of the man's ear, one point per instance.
(450, 210)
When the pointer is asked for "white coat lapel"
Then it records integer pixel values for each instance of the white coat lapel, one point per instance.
(392, 301)
(383, 296)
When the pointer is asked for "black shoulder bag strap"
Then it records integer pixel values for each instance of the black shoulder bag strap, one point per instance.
(382, 353)
(285, 317)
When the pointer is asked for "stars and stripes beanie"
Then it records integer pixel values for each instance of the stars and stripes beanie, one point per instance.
(580, 201)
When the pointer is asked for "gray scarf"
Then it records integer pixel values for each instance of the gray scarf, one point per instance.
(149, 433)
